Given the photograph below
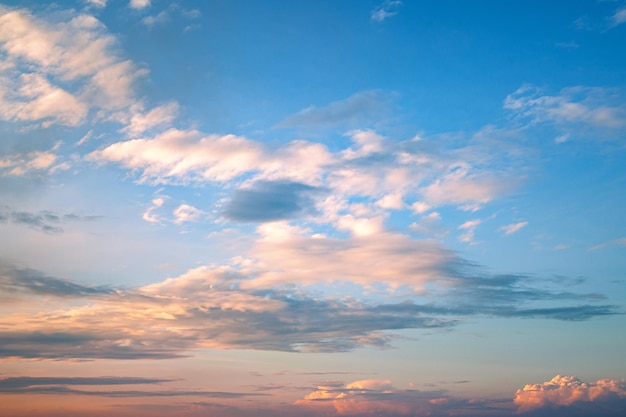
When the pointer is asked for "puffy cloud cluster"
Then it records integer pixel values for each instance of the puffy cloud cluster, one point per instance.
(567, 391)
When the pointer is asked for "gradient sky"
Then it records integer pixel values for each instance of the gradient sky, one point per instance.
(312, 208)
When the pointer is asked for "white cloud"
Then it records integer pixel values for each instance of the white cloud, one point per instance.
(509, 229)
(590, 106)
(286, 254)
(139, 4)
(57, 70)
(36, 162)
(470, 229)
(186, 213)
(619, 17)
(159, 116)
(37, 99)
(149, 214)
(567, 390)
(179, 155)
(385, 10)
(97, 3)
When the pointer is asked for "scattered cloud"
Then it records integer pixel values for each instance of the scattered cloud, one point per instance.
(387, 9)
(509, 229)
(57, 71)
(31, 163)
(470, 228)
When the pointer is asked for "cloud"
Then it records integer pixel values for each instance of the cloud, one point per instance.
(271, 306)
(15, 281)
(513, 228)
(45, 221)
(149, 214)
(380, 398)
(60, 386)
(567, 393)
(59, 68)
(186, 213)
(619, 17)
(385, 10)
(139, 4)
(266, 201)
(362, 106)
(21, 384)
(30, 163)
(584, 106)
(159, 116)
(470, 228)
(187, 155)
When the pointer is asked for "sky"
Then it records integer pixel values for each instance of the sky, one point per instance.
(312, 208)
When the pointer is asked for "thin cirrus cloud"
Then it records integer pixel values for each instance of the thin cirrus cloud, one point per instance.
(44, 221)
(512, 228)
(583, 106)
(358, 107)
(386, 10)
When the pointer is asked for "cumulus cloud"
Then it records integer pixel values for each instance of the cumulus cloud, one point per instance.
(380, 398)
(569, 391)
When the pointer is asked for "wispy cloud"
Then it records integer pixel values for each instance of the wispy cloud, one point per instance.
(509, 229)
(358, 107)
(618, 17)
(45, 221)
(575, 105)
(387, 9)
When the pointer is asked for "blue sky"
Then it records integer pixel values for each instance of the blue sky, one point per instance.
(329, 208)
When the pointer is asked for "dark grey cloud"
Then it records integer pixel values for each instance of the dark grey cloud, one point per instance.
(271, 200)
(295, 321)
(45, 221)
(15, 280)
(59, 385)
(364, 106)
(13, 384)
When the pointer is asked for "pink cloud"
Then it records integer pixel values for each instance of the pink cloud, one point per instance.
(566, 391)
